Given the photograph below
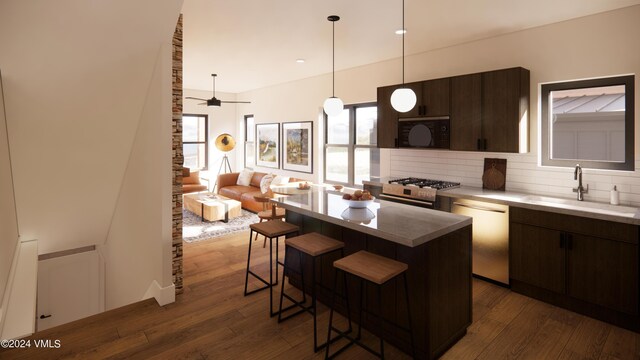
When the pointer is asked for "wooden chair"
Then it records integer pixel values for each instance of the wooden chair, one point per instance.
(313, 245)
(376, 270)
(271, 230)
(268, 213)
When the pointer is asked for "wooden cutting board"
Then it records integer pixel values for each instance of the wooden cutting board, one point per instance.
(494, 176)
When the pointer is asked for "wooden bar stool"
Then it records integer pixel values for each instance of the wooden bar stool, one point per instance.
(270, 230)
(374, 269)
(268, 214)
(314, 245)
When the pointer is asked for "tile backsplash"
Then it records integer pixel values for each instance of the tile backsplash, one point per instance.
(523, 174)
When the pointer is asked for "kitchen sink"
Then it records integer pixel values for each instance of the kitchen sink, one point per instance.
(589, 206)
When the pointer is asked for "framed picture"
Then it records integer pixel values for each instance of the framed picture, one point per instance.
(297, 148)
(268, 145)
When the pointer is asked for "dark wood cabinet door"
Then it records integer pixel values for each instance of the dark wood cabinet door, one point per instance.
(537, 256)
(435, 97)
(604, 272)
(417, 109)
(387, 119)
(466, 112)
(503, 96)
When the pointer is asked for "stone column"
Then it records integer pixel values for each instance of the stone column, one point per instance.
(178, 157)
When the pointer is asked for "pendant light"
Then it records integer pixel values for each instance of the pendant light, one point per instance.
(403, 99)
(333, 106)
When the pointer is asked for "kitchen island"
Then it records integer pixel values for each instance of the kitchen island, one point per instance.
(436, 246)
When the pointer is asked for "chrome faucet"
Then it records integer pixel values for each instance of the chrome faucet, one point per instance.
(577, 175)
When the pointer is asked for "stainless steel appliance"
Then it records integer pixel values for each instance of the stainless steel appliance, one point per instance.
(490, 237)
(414, 191)
(432, 132)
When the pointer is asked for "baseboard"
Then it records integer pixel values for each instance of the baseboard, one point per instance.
(163, 295)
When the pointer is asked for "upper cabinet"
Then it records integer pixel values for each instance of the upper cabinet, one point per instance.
(505, 110)
(432, 98)
(488, 111)
(466, 112)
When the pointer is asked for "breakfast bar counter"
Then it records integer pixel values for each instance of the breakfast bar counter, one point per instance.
(402, 224)
(435, 245)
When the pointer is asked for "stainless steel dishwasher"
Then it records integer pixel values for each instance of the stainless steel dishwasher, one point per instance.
(490, 237)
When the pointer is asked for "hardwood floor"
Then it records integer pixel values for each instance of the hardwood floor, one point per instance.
(213, 320)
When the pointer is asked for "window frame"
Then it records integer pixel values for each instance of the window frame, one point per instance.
(351, 146)
(246, 142)
(205, 142)
(629, 130)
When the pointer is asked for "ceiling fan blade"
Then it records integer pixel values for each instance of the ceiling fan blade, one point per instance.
(236, 102)
(195, 98)
(204, 103)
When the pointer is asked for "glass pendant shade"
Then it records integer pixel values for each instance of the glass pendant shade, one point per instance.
(333, 106)
(403, 99)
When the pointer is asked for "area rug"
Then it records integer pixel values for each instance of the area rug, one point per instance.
(194, 229)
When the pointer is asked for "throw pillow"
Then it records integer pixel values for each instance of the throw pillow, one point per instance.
(280, 180)
(265, 183)
(244, 178)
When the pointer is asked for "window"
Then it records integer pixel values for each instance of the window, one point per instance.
(249, 141)
(195, 145)
(351, 153)
(590, 122)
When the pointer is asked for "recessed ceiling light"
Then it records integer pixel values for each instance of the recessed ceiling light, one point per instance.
(401, 31)
(300, 61)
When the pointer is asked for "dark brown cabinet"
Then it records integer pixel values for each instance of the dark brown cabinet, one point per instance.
(505, 105)
(466, 112)
(387, 119)
(432, 100)
(536, 256)
(589, 266)
(489, 111)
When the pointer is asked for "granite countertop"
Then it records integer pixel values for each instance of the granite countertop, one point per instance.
(588, 209)
(403, 224)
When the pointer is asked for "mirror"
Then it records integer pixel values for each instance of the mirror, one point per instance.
(8, 218)
(590, 122)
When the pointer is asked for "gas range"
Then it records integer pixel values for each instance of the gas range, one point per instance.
(421, 183)
(415, 191)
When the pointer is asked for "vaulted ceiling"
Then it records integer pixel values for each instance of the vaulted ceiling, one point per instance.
(252, 44)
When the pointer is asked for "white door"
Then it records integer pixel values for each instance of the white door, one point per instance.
(69, 288)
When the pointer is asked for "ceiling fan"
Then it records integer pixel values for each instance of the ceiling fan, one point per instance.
(215, 101)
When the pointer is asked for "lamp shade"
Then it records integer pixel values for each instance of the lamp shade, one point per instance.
(225, 142)
(403, 99)
(333, 106)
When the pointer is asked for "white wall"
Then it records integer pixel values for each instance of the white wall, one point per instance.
(81, 86)
(8, 219)
(598, 45)
(138, 246)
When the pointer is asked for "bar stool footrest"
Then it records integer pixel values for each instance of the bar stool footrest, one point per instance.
(266, 284)
(352, 340)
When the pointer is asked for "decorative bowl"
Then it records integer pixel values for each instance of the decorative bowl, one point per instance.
(358, 216)
(358, 204)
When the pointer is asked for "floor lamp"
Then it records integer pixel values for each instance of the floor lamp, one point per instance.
(224, 143)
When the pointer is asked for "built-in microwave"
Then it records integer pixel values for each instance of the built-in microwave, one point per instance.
(424, 132)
